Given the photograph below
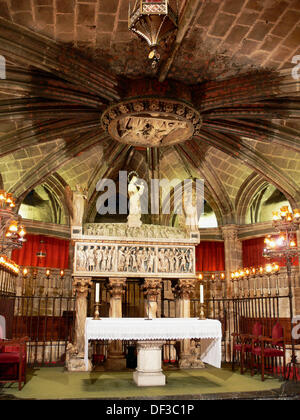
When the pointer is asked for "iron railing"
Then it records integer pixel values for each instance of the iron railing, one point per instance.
(48, 322)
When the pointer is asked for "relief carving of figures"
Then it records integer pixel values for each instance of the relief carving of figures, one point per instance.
(95, 258)
(136, 259)
(112, 258)
(151, 262)
(145, 231)
(81, 259)
(146, 129)
(179, 260)
(121, 258)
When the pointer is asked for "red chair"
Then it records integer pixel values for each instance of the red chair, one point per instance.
(269, 348)
(13, 361)
(242, 344)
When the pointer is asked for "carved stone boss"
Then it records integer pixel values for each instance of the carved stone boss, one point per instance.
(151, 122)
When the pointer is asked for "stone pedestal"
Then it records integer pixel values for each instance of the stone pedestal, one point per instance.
(149, 370)
(152, 288)
(75, 352)
(116, 358)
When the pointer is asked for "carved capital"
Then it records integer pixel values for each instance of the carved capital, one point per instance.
(153, 345)
(116, 287)
(152, 287)
(230, 232)
(185, 288)
(81, 286)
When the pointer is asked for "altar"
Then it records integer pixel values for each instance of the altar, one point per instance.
(151, 335)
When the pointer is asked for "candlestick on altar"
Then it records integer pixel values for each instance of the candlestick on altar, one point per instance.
(202, 312)
(97, 312)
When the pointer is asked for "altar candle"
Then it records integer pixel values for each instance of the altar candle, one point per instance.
(201, 294)
(97, 294)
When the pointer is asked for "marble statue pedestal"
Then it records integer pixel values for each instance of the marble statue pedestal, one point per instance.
(149, 370)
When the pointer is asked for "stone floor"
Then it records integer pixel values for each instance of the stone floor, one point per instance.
(197, 384)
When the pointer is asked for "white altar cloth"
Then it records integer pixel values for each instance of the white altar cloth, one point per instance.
(208, 330)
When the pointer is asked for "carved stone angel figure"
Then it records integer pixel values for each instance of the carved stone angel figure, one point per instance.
(76, 203)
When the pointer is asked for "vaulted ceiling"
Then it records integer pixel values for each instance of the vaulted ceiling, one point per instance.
(67, 60)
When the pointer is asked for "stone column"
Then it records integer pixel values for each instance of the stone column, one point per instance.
(189, 357)
(233, 261)
(116, 286)
(75, 353)
(233, 253)
(152, 288)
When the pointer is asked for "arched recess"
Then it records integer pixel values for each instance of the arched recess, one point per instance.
(257, 199)
(251, 186)
(266, 201)
(46, 202)
(57, 186)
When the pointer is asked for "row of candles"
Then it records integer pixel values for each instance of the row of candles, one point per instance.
(9, 265)
(236, 276)
(253, 271)
(244, 273)
(48, 280)
(47, 273)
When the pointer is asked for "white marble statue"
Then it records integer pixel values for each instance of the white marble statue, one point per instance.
(76, 203)
(135, 192)
(190, 211)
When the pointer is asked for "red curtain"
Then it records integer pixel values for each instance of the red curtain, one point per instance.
(252, 254)
(57, 252)
(210, 256)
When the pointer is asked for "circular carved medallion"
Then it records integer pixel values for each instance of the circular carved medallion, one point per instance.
(151, 122)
